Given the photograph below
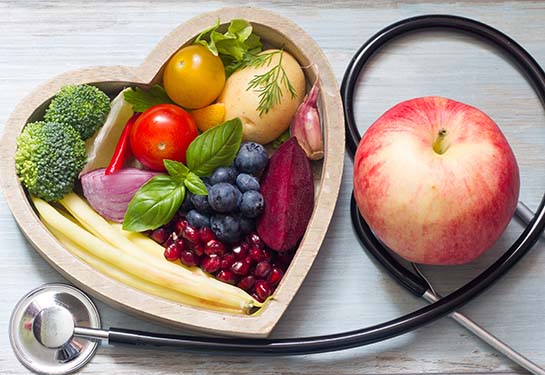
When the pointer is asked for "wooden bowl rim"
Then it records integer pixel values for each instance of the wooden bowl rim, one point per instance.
(145, 305)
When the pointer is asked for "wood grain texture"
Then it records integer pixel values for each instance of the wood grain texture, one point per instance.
(345, 289)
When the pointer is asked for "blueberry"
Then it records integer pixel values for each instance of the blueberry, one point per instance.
(223, 174)
(251, 158)
(246, 225)
(251, 204)
(247, 182)
(197, 219)
(187, 205)
(223, 197)
(200, 202)
(226, 228)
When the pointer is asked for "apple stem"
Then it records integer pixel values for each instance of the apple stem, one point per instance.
(439, 144)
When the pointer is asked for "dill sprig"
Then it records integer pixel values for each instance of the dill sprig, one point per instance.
(269, 85)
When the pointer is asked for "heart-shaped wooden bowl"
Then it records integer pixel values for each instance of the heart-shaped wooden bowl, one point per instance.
(275, 31)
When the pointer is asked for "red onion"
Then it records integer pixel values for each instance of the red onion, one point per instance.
(110, 194)
(305, 125)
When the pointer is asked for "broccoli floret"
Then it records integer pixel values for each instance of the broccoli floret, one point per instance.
(48, 159)
(83, 107)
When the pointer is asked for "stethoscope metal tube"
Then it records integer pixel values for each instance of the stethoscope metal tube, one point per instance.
(415, 283)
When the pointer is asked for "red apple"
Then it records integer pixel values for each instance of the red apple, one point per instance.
(436, 180)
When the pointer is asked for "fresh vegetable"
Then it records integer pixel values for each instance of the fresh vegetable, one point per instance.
(287, 210)
(305, 125)
(162, 132)
(265, 95)
(194, 77)
(101, 146)
(281, 139)
(209, 116)
(141, 99)
(135, 262)
(110, 194)
(155, 203)
(236, 45)
(123, 149)
(83, 107)
(48, 159)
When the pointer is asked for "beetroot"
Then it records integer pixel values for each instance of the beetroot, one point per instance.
(288, 191)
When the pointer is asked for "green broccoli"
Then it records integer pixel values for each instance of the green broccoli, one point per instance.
(83, 107)
(48, 159)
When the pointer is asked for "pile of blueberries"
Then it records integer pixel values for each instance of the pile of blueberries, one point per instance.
(233, 202)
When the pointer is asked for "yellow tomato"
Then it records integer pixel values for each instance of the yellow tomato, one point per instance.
(194, 77)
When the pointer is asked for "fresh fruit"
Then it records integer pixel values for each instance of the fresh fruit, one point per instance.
(223, 197)
(262, 269)
(172, 252)
(240, 267)
(275, 276)
(200, 202)
(206, 234)
(262, 290)
(211, 263)
(194, 77)
(189, 258)
(227, 261)
(251, 204)
(287, 211)
(214, 247)
(240, 251)
(159, 235)
(252, 158)
(436, 180)
(247, 182)
(223, 174)
(246, 224)
(209, 116)
(198, 220)
(190, 233)
(227, 277)
(247, 283)
(162, 132)
(225, 227)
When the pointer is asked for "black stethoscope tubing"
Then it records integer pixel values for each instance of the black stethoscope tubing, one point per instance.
(425, 315)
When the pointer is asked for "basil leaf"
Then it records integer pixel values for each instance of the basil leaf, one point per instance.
(154, 204)
(215, 148)
(176, 169)
(195, 185)
(144, 99)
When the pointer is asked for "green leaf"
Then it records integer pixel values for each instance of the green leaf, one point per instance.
(154, 204)
(233, 45)
(194, 184)
(144, 99)
(281, 139)
(176, 169)
(215, 148)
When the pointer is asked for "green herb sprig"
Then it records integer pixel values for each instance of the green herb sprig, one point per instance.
(157, 201)
(271, 84)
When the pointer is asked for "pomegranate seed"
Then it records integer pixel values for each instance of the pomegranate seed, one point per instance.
(196, 247)
(240, 251)
(227, 261)
(180, 225)
(256, 254)
(159, 235)
(172, 252)
(214, 247)
(275, 276)
(189, 258)
(181, 244)
(246, 283)
(206, 235)
(267, 254)
(262, 290)
(254, 240)
(211, 263)
(190, 233)
(241, 267)
(262, 269)
(227, 277)
(170, 240)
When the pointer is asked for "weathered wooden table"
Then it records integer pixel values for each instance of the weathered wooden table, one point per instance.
(345, 289)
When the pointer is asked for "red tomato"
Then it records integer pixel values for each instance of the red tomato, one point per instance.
(162, 132)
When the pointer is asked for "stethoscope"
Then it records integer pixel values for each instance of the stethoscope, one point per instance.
(55, 329)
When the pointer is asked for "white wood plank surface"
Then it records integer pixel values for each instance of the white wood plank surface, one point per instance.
(345, 289)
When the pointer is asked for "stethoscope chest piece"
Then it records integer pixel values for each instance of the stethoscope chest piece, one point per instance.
(42, 325)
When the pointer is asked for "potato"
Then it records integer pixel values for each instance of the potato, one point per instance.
(241, 102)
